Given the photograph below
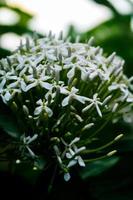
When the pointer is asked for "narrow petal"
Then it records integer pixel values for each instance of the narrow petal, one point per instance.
(38, 110)
(63, 90)
(23, 85)
(13, 85)
(46, 85)
(49, 111)
(72, 163)
(32, 85)
(65, 101)
(31, 152)
(71, 72)
(87, 108)
(2, 84)
(81, 162)
(113, 87)
(31, 139)
(80, 98)
(98, 110)
(74, 140)
(39, 102)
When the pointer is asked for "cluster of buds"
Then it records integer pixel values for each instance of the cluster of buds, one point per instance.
(59, 92)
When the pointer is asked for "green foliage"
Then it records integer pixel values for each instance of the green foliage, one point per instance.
(98, 167)
(8, 124)
(116, 183)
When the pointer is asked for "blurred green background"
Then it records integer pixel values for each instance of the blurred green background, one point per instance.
(108, 179)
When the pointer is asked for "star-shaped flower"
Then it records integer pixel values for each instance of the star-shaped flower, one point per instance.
(94, 102)
(72, 95)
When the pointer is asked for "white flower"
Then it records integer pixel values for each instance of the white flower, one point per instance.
(40, 81)
(6, 96)
(19, 83)
(99, 72)
(26, 141)
(56, 70)
(29, 139)
(72, 95)
(94, 102)
(73, 67)
(5, 76)
(8, 93)
(73, 152)
(22, 60)
(74, 158)
(42, 108)
(122, 87)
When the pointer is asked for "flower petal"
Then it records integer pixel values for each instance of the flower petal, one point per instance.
(7, 96)
(72, 163)
(32, 85)
(45, 85)
(67, 176)
(81, 162)
(38, 110)
(49, 111)
(65, 101)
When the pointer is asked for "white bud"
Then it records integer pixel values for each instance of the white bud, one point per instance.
(111, 58)
(67, 176)
(107, 99)
(26, 110)
(111, 153)
(18, 161)
(115, 107)
(118, 137)
(78, 118)
(35, 168)
(91, 41)
(88, 126)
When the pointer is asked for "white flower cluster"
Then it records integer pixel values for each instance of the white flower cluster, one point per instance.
(60, 91)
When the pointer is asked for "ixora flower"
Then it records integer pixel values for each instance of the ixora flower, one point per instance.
(62, 95)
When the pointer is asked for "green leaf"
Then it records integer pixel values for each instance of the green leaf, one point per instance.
(17, 29)
(96, 168)
(107, 4)
(40, 163)
(4, 53)
(116, 183)
(27, 172)
(8, 124)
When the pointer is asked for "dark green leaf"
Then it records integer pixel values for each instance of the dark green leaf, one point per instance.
(4, 53)
(107, 4)
(8, 124)
(26, 170)
(40, 163)
(17, 29)
(97, 167)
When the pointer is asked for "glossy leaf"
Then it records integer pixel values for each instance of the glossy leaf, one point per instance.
(8, 124)
(96, 168)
